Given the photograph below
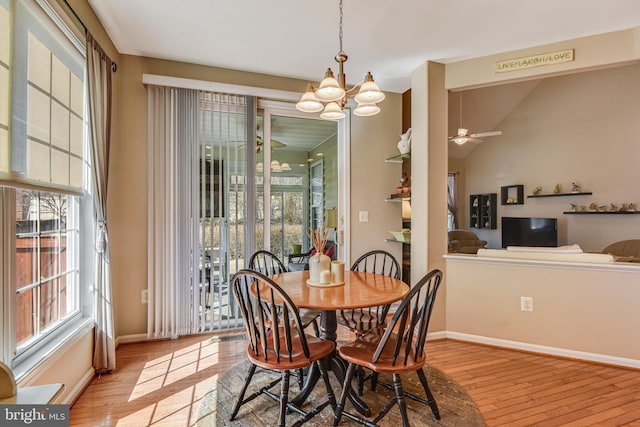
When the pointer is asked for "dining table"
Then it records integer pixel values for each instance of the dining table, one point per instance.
(357, 290)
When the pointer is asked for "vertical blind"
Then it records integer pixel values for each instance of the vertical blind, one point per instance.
(195, 210)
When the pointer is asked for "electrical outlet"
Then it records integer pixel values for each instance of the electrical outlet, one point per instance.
(526, 303)
(364, 216)
(144, 297)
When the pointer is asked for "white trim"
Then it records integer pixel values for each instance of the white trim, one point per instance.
(440, 335)
(343, 239)
(605, 266)
(79, 388)
(553, 351)
(179, 82)
(134, 338)
(45, 359)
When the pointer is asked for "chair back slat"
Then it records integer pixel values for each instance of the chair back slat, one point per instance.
(270, 316)
(266, 263)
(379, 262)
(411, 334)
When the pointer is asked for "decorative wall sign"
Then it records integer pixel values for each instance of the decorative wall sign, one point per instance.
(550, 58)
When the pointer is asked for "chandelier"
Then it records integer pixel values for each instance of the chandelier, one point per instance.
(332, 94)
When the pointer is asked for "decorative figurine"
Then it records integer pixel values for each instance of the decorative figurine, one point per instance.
(631, 207)
(405, 183)
(583, 208)
(602, 208)
(557, 189)
(624, 207)
(404, 145)
(613, 207)
(593, 207)
(574, 207)
(537, 191)
(575, 188)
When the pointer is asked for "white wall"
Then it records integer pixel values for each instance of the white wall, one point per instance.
(581, 127)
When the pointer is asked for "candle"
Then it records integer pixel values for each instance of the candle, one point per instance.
(337, 271)
(325, 276)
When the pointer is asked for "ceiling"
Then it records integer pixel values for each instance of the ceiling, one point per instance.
(298, 39)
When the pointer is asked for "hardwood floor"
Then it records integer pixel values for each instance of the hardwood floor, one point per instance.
(162, 383)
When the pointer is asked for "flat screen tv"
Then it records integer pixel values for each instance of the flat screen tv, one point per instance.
(529, 231)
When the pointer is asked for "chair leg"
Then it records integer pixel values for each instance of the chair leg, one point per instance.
(322, 364)
(360, 372)
(247, 380)
(402, 405)
(284, 397)
(430, 398)
(374, 381)
(316, 328)
(351, 370)
(300, 375)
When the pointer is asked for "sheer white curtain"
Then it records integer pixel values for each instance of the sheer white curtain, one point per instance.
(172, 206)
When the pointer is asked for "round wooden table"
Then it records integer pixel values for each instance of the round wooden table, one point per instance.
(360, 290)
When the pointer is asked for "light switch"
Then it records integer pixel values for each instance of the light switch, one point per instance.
(364, 216)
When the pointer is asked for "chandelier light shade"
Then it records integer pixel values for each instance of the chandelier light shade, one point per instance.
(365, 110)
(309, 103)
(369, 92)
(332, 111)
(332, 94)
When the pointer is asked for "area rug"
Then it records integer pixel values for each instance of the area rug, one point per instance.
(456, 407)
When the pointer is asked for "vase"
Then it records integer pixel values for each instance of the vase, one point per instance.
(318, 263)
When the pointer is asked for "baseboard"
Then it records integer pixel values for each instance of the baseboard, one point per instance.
(127, 339)
(552, 351)
(80, 387)
(440, 335)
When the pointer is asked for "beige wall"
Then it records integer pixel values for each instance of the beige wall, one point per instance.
(373, 180)
(586, 310)
(429, 179)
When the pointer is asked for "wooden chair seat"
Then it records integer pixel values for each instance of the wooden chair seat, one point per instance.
(296, 359)
(360, 351)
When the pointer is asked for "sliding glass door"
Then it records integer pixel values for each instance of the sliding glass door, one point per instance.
(293, 185)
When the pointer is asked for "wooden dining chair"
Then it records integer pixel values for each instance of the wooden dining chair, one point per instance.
(398, 351)
(269, 264)
(363, 320)
(277, 342)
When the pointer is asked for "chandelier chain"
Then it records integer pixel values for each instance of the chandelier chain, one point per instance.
(340, 33)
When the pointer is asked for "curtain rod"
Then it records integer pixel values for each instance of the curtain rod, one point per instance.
(114, 66)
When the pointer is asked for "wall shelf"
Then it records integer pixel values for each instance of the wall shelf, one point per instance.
(398, 197)
(398, 158)
(512, 195)
(601, 212)
(560, 194)
(400, 241)
(482, 210)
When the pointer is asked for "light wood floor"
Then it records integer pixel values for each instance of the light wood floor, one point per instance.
(161, 383)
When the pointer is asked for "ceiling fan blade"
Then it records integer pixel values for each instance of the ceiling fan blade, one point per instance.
(483, 134)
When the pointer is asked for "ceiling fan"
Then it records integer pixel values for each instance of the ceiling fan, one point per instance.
(463, 135)
(274, 144)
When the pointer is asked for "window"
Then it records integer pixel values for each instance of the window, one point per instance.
(46, 262)
(43, 206)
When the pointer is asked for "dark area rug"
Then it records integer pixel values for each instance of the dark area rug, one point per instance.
(456, 407)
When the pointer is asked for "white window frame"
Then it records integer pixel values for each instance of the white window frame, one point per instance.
(73, 328)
